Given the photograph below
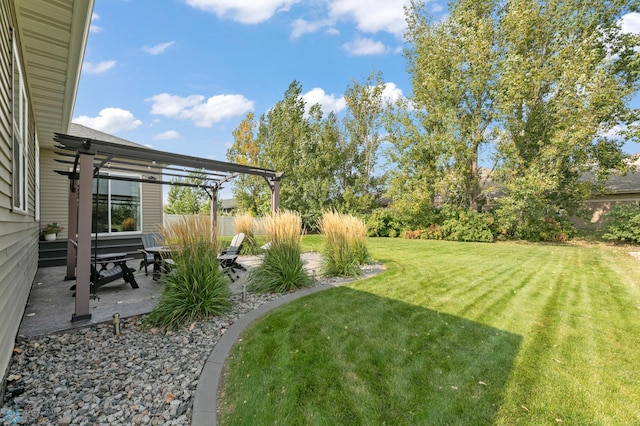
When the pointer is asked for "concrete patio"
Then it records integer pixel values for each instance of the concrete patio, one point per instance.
(51, 303)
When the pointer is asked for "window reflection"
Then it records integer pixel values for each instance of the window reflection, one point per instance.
(116, 206)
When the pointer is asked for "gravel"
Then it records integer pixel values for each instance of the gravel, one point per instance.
(143, 376)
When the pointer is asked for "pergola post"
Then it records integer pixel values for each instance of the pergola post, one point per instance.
(72, 228)
(274, 183)
(83, 269)
(213, 214)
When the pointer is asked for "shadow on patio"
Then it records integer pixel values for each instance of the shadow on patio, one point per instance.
(51, 303)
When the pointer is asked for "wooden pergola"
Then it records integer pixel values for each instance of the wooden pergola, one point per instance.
(86, 157)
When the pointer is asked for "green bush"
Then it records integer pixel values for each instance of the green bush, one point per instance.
(623, 224)
(384, 223)
(280, 271)
(467, 225)
(195, 289)
(532, 219)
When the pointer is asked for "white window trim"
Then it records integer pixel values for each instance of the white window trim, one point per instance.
(109, 173)
(37, 177)
(19, 129)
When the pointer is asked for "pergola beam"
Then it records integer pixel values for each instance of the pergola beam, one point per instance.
(91, 155)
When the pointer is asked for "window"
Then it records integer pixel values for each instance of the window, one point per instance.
(20, 134)
(116, 206)
(37, 177)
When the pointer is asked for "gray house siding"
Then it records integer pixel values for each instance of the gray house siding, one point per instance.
(54, 195)
(54, 192)
(151, 207)
(18, 230)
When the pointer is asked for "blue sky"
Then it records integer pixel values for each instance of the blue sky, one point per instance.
(179, 75)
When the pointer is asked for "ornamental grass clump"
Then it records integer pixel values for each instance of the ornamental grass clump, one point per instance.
(282, 269)
(244, 223)
(344, 244)
(196, 288)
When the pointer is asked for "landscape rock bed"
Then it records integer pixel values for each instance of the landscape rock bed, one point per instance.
(141, 376)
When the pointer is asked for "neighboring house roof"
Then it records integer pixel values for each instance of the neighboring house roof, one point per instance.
(53, 36)
(81, 131)
(620, 184)
(229, 204)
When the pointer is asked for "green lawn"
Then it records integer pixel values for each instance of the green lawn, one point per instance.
(451, 333)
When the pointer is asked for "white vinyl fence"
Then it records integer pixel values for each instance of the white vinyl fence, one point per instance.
(226, 227)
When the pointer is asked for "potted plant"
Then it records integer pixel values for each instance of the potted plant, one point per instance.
(51, 231)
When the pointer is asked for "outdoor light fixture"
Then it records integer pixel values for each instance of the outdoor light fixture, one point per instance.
(116, 323)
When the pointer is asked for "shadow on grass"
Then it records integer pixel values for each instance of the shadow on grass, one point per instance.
(349, 357)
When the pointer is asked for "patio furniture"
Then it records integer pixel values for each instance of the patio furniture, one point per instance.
(106, 275)
(160, 259)
(153, 239)
(228, 257)
(106, 258)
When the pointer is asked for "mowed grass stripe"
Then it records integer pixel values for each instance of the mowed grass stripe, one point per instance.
(516, 334)
(555, 378)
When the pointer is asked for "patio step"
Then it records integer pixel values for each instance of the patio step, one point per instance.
(54, 253)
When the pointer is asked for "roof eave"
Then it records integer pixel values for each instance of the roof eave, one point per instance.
(53, 47)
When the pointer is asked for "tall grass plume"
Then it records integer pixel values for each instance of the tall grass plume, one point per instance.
(245, 223)
(344, 244)
(196, 288)
(282, 268)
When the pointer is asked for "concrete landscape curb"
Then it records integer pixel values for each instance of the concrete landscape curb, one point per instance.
(206, 396)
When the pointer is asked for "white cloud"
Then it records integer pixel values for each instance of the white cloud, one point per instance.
(158, 48)
(99, 68)
(630, 23)
(110, 120)
(194, 108)
(172, 105)
(372, 16)
(327, 102)
(301, 27)
(364, 47)
(391, 93)
(245, 11)
(94, 28)
(169, 134)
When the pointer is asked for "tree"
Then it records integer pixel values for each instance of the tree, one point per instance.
(567, 74)
(304, 148)
(188, 199)
(454, 70)
(543, 83)
(414, 178)
(251, 192)
(359, 150)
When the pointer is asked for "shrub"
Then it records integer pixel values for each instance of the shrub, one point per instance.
(432, 233)
(467, 226)
(196, 288)
(384, 223)
(245, 223)
(344, 244)
(282, 269)
(623, 224)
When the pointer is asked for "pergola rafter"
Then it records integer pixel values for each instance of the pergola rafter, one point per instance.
(86, 158)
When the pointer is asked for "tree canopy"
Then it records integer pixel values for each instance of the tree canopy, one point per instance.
(538, 92)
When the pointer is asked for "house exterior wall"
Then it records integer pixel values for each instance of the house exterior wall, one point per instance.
(151, 207)
(54, 189)
(19, 231)
(600, 205)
